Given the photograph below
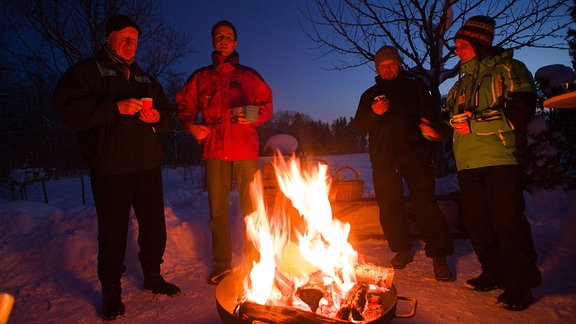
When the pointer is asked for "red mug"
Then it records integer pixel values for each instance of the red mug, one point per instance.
(147, 105)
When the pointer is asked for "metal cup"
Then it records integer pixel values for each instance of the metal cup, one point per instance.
(458, 120)
(251, 113)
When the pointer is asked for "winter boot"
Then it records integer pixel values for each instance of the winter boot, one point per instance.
(515, 299)
(156, 284)
(484, 282)
(112, 301)
(401, 259)
(441, 269)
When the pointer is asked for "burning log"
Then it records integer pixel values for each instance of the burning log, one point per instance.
(313, 291)
(253, 312)
(374, 308)
(375, 275)
(354, 303)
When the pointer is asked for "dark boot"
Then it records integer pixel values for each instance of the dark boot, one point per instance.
(484, 282)
(441, 269)
(515, 299)
(401, 259)
(154, 282)
(112, 301)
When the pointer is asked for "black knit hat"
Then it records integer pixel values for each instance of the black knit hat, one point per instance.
(116, 23)
(479, 31)
(386, 53)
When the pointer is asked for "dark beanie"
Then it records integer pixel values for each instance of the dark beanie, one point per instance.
(386, 53)
(479, 31)
(116, 23)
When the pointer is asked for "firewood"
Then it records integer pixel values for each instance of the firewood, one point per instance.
(250, 312)
(312, 291)
(374, 307)
(374, 275)
(353, 305)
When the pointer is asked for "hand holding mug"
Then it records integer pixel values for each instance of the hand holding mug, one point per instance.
(129, 106)
(380, 105)
(150, 117)
(244, 115)
(461, 124)
(148, 114)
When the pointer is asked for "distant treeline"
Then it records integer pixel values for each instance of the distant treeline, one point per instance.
(33, 137)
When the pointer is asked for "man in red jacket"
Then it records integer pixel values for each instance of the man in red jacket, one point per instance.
(222, 93)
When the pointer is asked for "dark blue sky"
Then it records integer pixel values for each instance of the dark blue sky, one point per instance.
(271, 41)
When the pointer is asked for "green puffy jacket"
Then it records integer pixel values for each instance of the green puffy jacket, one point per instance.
(499, 92)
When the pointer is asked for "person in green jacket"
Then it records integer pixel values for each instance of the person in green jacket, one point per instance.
(489, 107)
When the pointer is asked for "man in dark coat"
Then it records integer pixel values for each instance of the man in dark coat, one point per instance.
(100, 98)
(390, 113)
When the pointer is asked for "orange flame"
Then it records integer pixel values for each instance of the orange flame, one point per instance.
(295, 252)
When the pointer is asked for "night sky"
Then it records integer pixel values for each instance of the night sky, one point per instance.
(271, 41)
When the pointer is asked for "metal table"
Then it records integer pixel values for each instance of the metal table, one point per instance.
(563, 101)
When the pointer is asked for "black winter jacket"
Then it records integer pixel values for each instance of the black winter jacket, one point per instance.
(112, 143)
(395, 140)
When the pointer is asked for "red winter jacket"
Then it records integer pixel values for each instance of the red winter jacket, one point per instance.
(212, 91)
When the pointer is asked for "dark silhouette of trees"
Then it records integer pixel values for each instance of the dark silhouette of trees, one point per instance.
(314, 137)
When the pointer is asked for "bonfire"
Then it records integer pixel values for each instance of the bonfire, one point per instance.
(305, 261)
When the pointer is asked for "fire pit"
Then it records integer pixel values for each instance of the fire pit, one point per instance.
(231, 310)
(305, 270)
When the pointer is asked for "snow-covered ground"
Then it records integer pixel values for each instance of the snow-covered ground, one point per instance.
(48, 259)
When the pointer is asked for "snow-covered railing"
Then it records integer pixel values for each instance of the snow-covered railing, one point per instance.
(23, 177)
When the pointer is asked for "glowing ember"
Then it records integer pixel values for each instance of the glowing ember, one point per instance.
(305, 259)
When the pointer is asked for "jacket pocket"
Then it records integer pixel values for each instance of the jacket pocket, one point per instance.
(490, 122)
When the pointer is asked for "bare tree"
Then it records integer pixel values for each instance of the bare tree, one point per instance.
(423, 30)
(39, 40)
(571, 37)
(54, 34)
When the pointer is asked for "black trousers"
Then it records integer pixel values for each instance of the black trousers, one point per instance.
(493, 213)
(114, 195)
(389, 190)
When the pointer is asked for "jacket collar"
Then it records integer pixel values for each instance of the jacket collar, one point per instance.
(112, 67)
(233, 59)
(498, 56)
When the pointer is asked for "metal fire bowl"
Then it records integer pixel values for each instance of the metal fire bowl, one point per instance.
(231, 287)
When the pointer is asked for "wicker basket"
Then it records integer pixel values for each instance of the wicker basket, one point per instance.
(346, 190)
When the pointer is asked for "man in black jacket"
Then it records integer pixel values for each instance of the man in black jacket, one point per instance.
(100, 98)
(390, 113)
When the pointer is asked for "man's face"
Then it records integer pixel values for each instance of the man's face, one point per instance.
(389, 69)
(124, 42)
(224, 40)
(464, 50)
